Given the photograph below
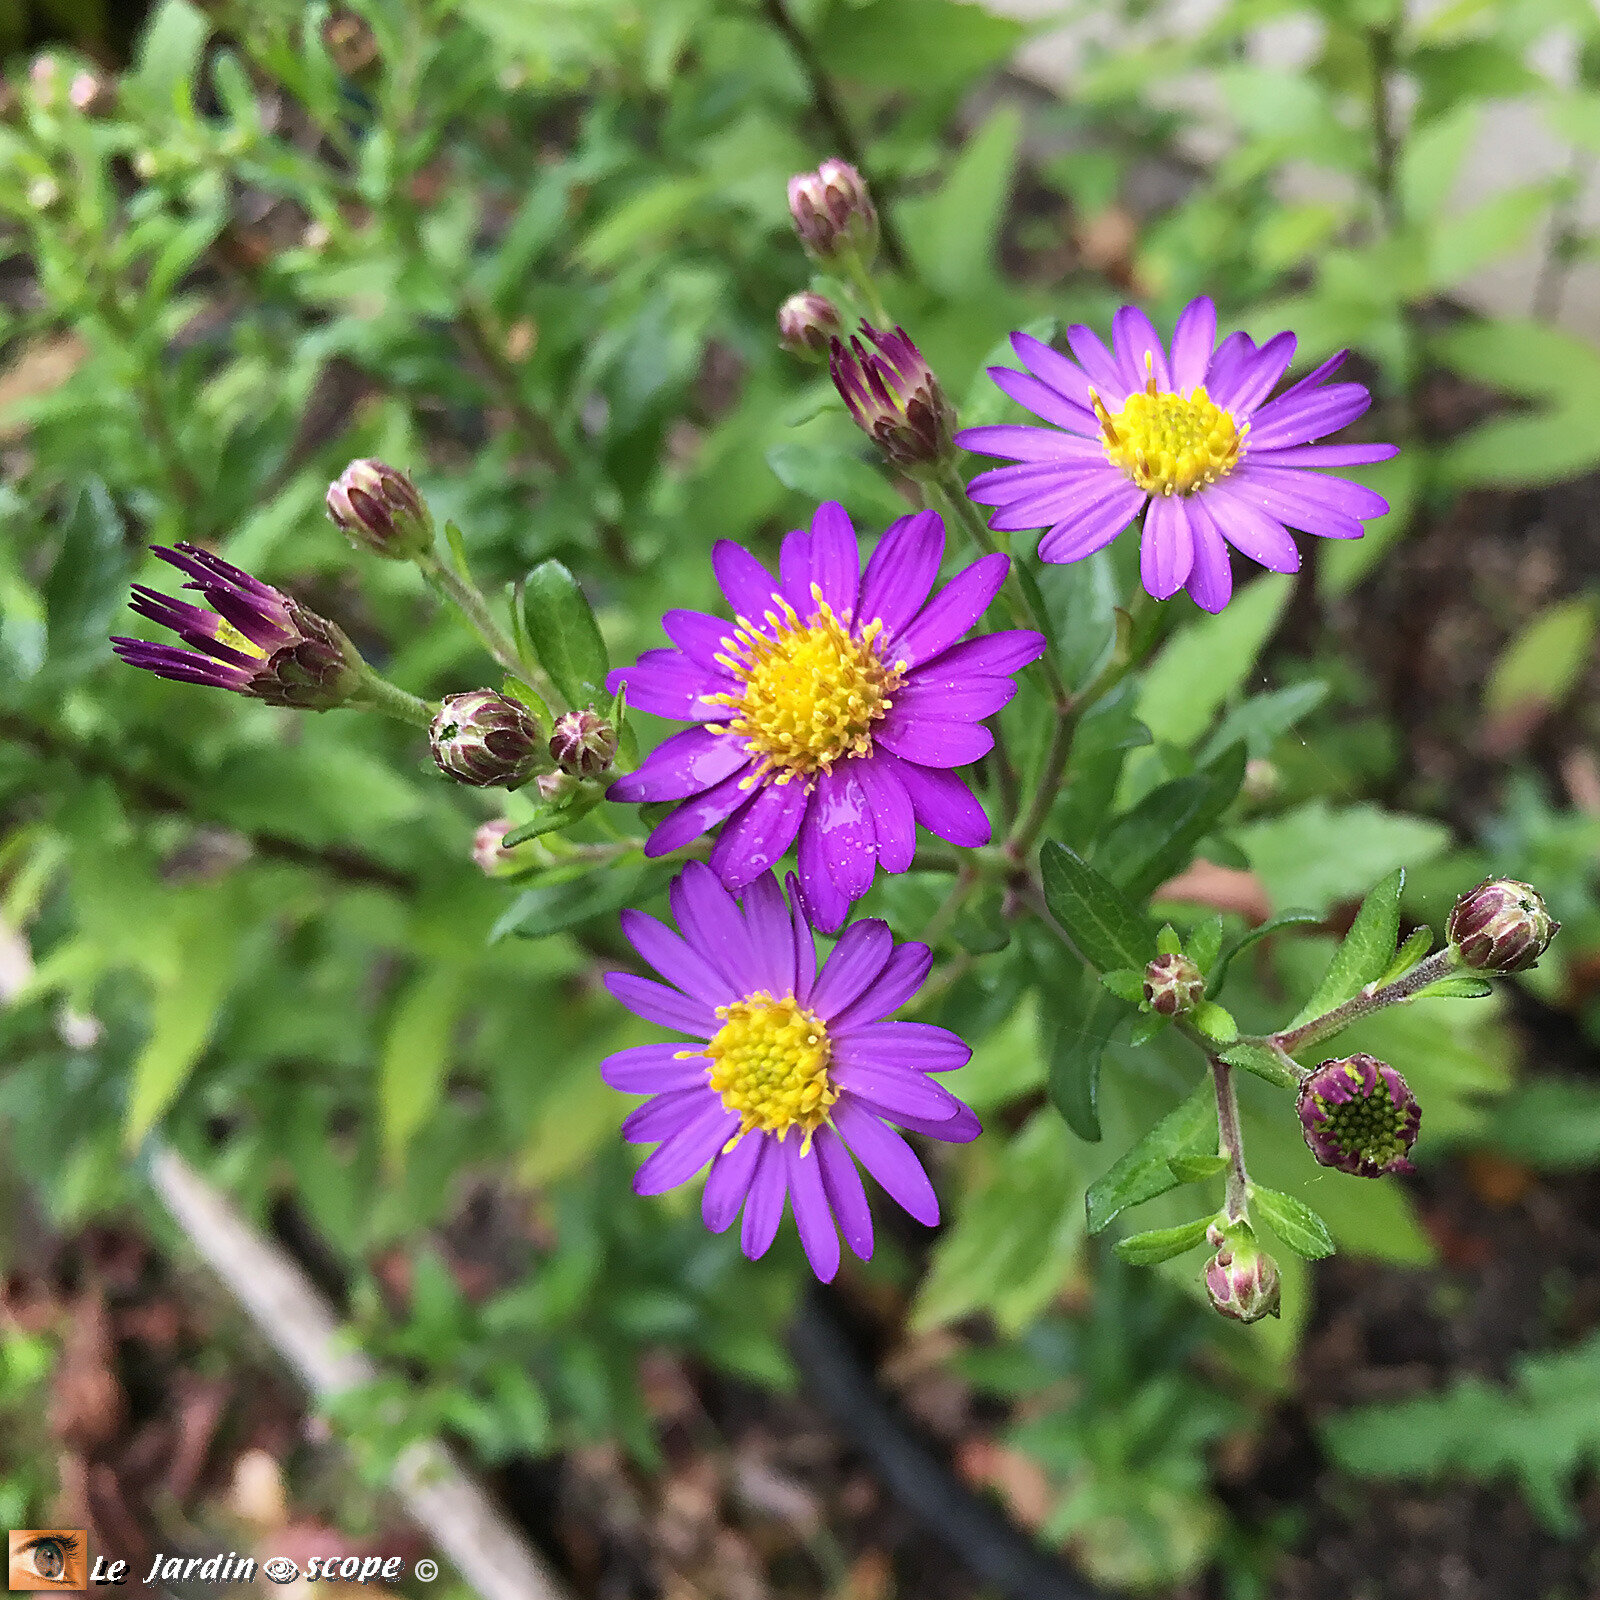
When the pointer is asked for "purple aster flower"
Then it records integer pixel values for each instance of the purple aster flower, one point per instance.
(1359, 1115)
(796, 1072)
(1191, 440)
(255, 639)
(832, 710)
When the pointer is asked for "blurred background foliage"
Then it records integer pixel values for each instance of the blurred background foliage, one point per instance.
(531, 250)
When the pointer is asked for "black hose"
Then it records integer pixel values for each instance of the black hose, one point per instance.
(993, 1548)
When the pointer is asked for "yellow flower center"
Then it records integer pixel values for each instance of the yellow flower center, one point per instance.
(769, 1062)
(1170, 443)
(812, 690)
(229, 635)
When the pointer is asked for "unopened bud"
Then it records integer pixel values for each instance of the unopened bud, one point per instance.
(484, 739)
(583, 743)
(1501, 926)
(488, 848)
(833, 212)
(1241, 1278)
(807, 322)
(555, 788)
(894, 397)
(89, 93)
(379, 509)
(1173, 984)
(1359, 1115)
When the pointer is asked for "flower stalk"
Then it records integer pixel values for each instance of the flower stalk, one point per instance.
(1291, 1041)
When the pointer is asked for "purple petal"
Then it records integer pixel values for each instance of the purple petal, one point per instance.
(757, 835)
(841, 816)
(826, 905)
(695, 815)
(666, 1114)
(686, 763)
(1210, 582)
(1138, 348)
(1192, 342)
(919, 1045)
(835, 558)
(1099, 366)
(1064, 376)
(687, 1151)
(903, 974)
(1316, 375)
(992, 655)
(728, 1183)
(1325, 455)
(1250, 530)
(763, 1206)
(1001, 486)
(1064, 499)
(952, 612)
(974, 699)
(674, 960)
(667, 684)
(851, 967)
(959, 1129)
(748, 585)
(805, 943)
(653, 1069)
(892, 1091)
(794, 570)
(1043, 401)
(1228, 360)
(888, 1158)
(1294, 419)
(847, 1196)
(894, 824)
(700, 637)
(931, 741)
(901, 571)
(712, 924)
(766, 914)
(1095, 524)
(1024, 443)
(1166, 552)
(1299, 498)
(945, 806)
(655, 1002)
(1256, 378)
(812, 1217)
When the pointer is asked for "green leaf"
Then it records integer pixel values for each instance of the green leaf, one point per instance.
(1458, 986)
(1080, 1041)
(416, 1056)
(1366, 952)
(921, 45)
(553, 907)
(1196, 1169)
(823, 472)
(564, 634)
(1205, 942)
(1101, 921)
(169, 55)
(1294, 1222)
(1214, 1022)
(86, 583)
(952, 232)
(1418, 943)
(1262, 719)
(1207, 660)
(1285, 919)
(1263, 1061)
(1144, 1172)
(1125, 983)
(1542, 665)
(1162, 1244)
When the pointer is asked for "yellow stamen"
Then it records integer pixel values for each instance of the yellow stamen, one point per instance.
(229, 635)
(812, 690)
(769, 1062)
(1170, 443)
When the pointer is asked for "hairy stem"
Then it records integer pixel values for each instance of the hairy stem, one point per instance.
(378, 694)
(1292, 1040)
(1231, 1139)
(467, 599)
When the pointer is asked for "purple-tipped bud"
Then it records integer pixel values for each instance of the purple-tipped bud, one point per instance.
(484, 739)
(807, 324)
(894, 397)
(833, 212)
(254, 640)
(583, 743)
(379, 509)
(488, 849)
(1241, 1278)
(1360, 1116)
(1172, 984)
(1502, 926)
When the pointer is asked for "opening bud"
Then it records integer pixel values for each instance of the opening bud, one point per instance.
(254, 639)
(583, 743)
(807, 324)
(484, 739)
(1501, 926)
(1360, 1116)
(1173, 984)
(1241, 1278)
(378, 509)
(894, 397)
(833, 213)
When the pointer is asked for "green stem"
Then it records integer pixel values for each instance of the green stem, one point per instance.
(465, 596)
(1292, 1040)
(378, 694)
(866, 286)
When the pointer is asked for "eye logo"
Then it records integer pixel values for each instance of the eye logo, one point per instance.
(280, 1569)
(48, 1558)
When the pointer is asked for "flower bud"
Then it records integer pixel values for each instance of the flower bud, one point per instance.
(1359, 1115)
(833, 213)
(807, 323)
(488, 851)
(378, 508)
(555, 788)
(484, 739)
(89, 93)
(1241, 1278)
(1502, 926)
(894, 397)
(1172, 984)
(583, 743)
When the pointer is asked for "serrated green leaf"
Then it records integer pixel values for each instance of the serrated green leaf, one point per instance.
(1263, 1061)
(1294, 1222)
(1418, 943)
(564, 634)
(1156, 839)
(1103, 923)
(1162, 1244)
(1188, 1130)
(1205, 942)
(1214, 1022)
(1125, 983)
(1196, 1169)
(1366, 952)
